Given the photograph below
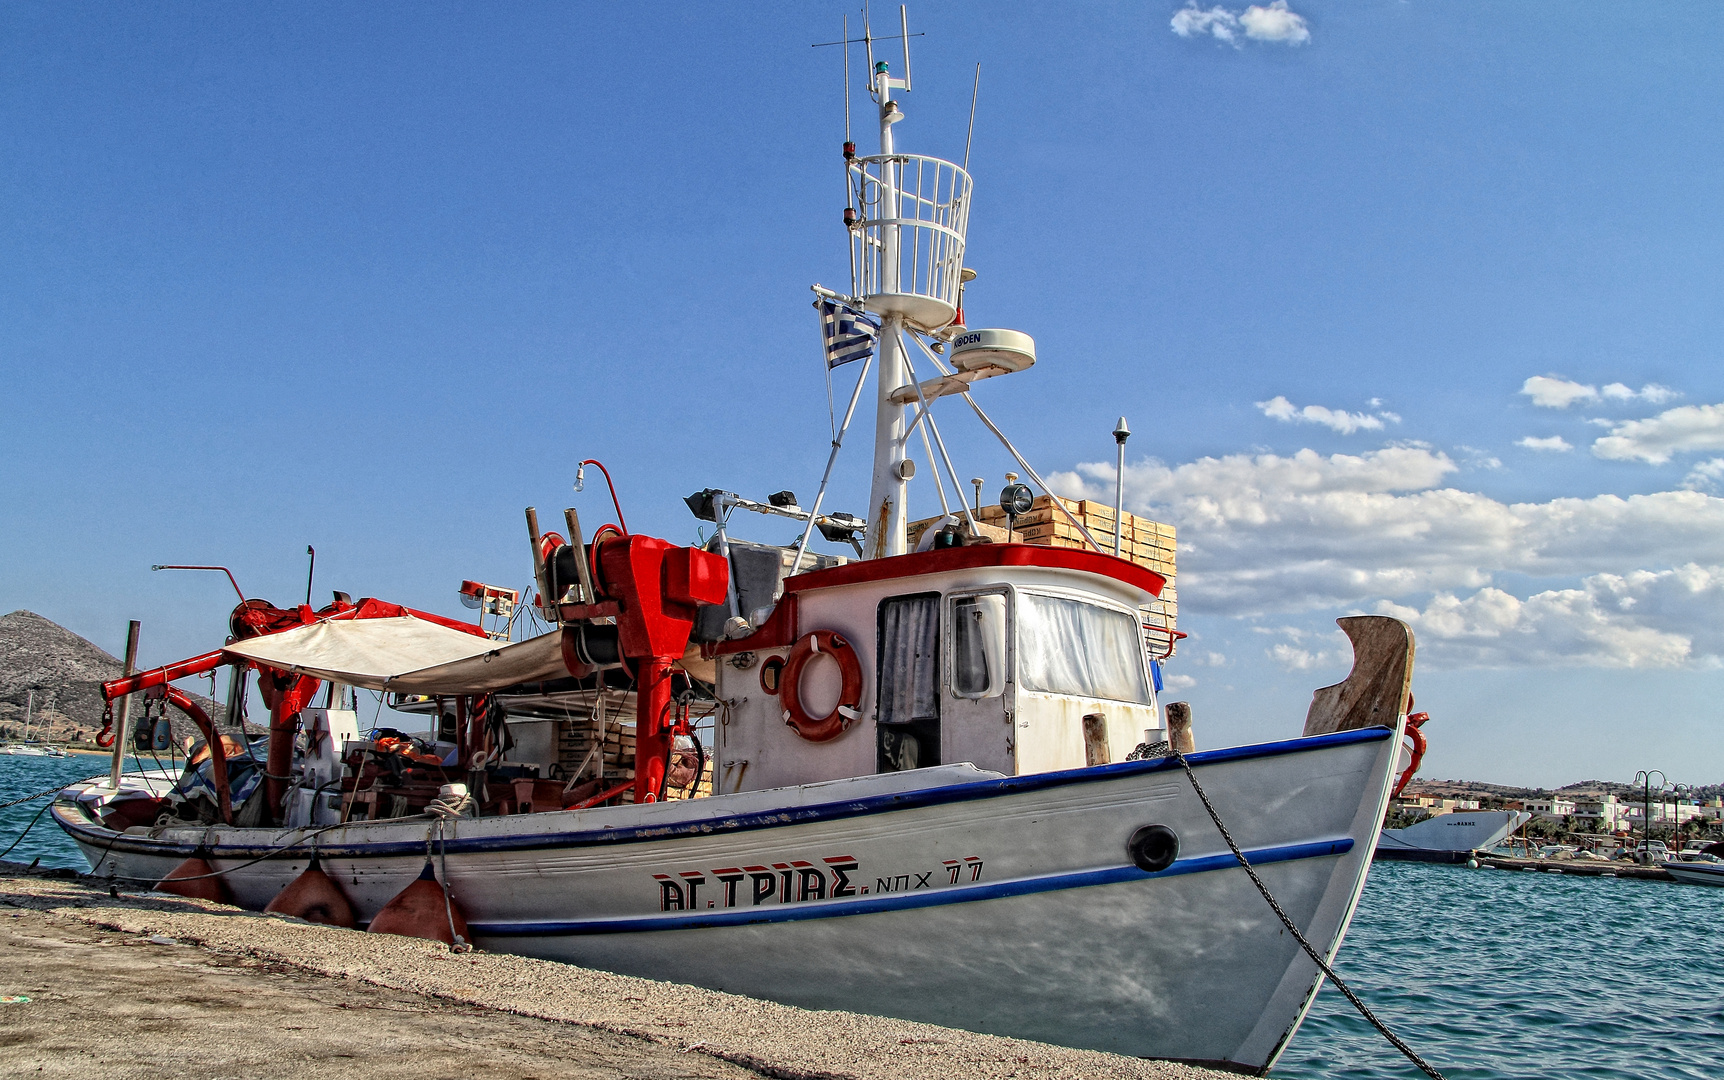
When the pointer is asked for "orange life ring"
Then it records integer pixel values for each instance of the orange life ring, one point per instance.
(833, 724)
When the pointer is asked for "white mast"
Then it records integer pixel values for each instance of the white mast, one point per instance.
(908, 245)
(887, 496)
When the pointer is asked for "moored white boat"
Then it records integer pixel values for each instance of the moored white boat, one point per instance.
(1696, 873)
(1451, 837)
(940, 785)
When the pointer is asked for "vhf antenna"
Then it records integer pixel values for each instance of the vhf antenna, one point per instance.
(845, 38)
(868, 43)
(904, 25)
(973, 92)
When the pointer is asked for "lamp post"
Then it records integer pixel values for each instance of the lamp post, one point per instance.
(1644, 779)
(1120, 433)
(1676, 822)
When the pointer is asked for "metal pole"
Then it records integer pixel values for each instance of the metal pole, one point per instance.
(889, 489)
(1120, 433)
(825, 477)
(122, 719)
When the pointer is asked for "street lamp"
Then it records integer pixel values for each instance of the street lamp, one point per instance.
(1676, 821)
(1644, 779)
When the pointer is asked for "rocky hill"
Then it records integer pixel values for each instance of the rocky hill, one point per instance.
(65, 671)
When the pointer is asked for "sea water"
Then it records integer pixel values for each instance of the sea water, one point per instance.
(1489, 974)
(20, 776)
(1493, 974)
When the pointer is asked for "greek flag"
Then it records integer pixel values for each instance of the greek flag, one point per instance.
(849, 333)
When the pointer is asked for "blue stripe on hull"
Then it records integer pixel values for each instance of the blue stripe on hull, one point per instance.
(761, 819)
(963, 894)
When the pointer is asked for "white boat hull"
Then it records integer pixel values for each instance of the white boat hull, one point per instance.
(1696, 873)
(1000, 905)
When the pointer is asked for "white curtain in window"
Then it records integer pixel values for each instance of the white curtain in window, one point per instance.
(1070, 647)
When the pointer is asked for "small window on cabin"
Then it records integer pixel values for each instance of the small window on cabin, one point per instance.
(978, 645)
(1067, 646)
(969, 656)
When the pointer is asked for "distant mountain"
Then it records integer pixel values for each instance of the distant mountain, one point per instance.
(66, 672)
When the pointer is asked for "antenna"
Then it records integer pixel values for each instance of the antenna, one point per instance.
(868, 41)
(973, 92)
(904, 24)
(845, 38)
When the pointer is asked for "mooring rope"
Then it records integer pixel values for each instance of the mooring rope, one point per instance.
(1166, 750)
(51, 791)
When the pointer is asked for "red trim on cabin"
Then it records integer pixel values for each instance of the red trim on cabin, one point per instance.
(972, 556)
(778, 632)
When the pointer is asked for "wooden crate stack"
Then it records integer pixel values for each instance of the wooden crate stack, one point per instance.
(575, 739)
(620, 755)
(1150, 544)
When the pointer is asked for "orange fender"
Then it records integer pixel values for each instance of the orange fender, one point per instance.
(315, 897)
(421, 910)
(196, 879)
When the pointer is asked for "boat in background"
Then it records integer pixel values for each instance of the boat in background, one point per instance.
(24, 747)
(1703, 870)
(1451, 837)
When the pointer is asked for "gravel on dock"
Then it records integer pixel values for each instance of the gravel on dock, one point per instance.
(147, 985)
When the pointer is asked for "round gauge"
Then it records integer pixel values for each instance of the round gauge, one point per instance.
(1016, 499)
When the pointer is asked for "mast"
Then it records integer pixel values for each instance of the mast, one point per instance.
(908, 244)
(890, 489)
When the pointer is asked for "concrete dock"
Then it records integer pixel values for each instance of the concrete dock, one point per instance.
(1578, 867)
(149, 985)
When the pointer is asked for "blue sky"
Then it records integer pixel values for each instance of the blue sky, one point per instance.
(375, 277)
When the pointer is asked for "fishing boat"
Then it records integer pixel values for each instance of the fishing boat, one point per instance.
(930, 779)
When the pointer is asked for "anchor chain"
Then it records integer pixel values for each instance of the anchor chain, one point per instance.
(1146, 751)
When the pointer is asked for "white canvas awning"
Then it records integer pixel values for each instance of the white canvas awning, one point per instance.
(406, 654)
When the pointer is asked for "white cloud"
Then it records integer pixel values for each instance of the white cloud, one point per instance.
(1193, 21)
(1272, 23)
(1555, 392)
(1178, 682)
(1651, 393)
(1674, 431)
(1642, 619)
(1279, 408)
(1261, 533)
(1275, 23)
(1705, 475)
(1554, 442)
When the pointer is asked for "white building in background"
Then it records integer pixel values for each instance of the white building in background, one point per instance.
(1437, 805)
(1665, 813)
(1551, 809)
(1598, 813)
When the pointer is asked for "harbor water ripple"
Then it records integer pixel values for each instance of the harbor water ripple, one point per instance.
(1497, 974)
(1489, 974)
(20, 776)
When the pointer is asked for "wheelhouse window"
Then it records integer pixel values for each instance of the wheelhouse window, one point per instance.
(1071, 647)
(978, 653)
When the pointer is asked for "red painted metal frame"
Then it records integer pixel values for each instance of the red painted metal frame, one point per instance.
(979, 555)
(658, 587)
(780, 629)
(284, 702)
